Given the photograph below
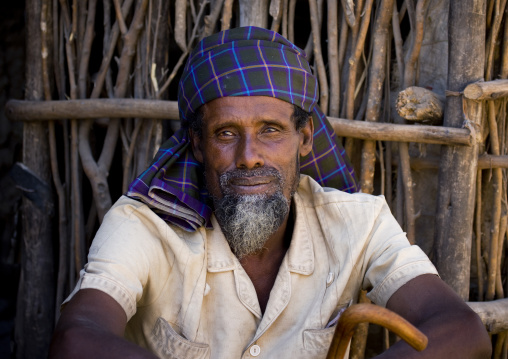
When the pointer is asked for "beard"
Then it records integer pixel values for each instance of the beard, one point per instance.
(247, 221)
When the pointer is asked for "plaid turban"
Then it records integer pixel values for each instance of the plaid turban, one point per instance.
(247, 61)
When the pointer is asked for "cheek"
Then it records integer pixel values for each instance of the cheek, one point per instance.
(292, 175)
(212, 180)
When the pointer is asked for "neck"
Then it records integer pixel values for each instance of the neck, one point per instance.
(262, 268)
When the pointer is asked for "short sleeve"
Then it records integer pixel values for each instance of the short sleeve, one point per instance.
(126, 249)
(390, 260)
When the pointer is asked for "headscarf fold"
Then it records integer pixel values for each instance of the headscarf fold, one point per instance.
(247, 61)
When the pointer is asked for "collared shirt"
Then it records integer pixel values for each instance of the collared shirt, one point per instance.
(187, 296)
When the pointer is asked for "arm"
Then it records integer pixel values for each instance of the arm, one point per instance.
(92, 325)
(453, 329)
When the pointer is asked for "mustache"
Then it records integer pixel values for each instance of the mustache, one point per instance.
(226, 177)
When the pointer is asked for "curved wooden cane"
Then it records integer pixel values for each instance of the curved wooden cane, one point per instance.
(361, 313)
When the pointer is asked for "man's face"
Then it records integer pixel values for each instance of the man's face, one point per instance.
(251, 148)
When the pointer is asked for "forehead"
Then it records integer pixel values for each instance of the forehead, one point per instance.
(247, 108)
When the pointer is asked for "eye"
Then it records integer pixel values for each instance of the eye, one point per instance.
(225, 134)
(270, 129)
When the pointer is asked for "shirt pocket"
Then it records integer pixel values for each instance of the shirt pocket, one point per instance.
(168, 344)
(318, 340)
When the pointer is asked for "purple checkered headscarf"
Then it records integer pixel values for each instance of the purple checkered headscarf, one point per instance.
(247, 61)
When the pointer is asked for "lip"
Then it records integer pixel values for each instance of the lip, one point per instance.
(251, 181)
(250, 185)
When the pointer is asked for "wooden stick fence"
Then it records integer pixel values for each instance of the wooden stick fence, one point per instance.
(122, 105)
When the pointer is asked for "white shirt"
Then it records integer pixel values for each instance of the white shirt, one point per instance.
(187, 296)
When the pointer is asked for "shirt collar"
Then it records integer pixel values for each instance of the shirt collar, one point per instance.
(300, 254)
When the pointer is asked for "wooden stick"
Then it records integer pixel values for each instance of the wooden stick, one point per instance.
(180, 18)
(377, 77)
(484, 162)
(182, 58)
(275, 12)
(227, 13)
(478, 233)
(498, 17)
(369, 313)
(407, 185)
(285, 18)
(416, 44)
(87, 48)
(397, 40)
(62, 212)
(500, 343)
(34, 309)
(119, 17)
(490, 90)
(353, 60)
(496, 210)
(361, 332)
(344, 30)
(291, 20)
(359, 33)
(106, 40)
(316, 38)
(348, 10)
(211, 19)
(401, 133)
(106, 59)
(333, 58)
(504, 50)
(494, 314)
(91, 108)
(500, 243)
(80, 35)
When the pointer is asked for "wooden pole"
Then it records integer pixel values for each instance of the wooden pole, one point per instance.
(401, 133)
(490, 90)
(494, 314)
(138, 108)
(35, 307)
(457, 175)
(254, 13)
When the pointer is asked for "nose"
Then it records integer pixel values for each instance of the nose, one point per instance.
(249, 153)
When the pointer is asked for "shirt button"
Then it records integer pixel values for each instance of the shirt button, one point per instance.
(329, 279)
(255, 350)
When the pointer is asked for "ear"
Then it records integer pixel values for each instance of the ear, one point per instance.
(195, 140)
(306, 138)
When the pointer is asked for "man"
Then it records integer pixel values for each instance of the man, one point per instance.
(268, 273)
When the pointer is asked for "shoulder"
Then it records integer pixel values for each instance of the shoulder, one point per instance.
(131, 222)
(333, 200)
(348, 221)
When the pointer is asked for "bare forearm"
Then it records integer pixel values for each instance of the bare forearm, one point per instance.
(86, 342)
(457, 335)
(92, 326)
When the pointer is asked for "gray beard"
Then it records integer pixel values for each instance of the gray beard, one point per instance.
(248, 221)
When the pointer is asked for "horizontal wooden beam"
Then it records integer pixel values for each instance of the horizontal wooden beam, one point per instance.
(494, 314)
(90, 108)
(137, 108)
(489, 90)
(485, 162)
(401, 133)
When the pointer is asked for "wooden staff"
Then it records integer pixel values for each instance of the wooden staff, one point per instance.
(361, 313)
